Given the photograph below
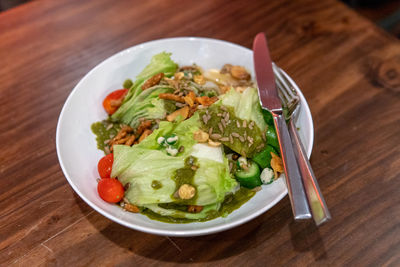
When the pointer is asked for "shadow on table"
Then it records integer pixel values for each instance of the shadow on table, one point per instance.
(257, 234)
(307, 239)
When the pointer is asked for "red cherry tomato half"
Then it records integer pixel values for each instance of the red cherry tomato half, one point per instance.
(105, 166)
(110, 190)
(112, 102)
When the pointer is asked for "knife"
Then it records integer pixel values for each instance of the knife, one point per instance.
(270, 101)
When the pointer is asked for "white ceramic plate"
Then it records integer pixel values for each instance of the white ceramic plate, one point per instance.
(76, 145)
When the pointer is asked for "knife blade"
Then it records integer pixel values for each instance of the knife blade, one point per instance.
(270, 101)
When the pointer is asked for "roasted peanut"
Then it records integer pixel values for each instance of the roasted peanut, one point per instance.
(199, 79)
(200, 136)
(179, 75)
(195, 208)
(226, 69)
(184, 112)
(186, 191)
(214, 144)
(240, 73)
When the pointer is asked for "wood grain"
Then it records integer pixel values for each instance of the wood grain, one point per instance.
(348, 70)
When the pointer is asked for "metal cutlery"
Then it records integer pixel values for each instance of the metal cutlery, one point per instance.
(270, 100)
(291, 102)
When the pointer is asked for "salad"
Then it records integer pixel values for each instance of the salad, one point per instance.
(183, 144)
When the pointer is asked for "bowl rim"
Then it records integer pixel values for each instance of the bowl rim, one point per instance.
(195, 232)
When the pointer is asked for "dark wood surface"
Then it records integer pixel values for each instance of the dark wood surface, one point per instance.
(348, 69)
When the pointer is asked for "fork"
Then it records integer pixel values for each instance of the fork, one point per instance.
(291, 102)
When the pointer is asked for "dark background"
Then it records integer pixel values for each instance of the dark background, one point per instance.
(384, 13)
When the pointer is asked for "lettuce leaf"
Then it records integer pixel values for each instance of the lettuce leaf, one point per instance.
(246, 105)
(146, 104)
(213, 182)
(181, 214)
(161, 62)
(244, 140)
(184, 130)
(140, 167)
(146, 162)
(124, 156)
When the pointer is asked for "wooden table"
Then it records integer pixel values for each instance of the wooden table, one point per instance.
(348, 69)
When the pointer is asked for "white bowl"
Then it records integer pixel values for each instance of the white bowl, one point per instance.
(76, 145)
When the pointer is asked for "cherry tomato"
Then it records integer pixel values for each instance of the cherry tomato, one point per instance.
(105, 166)
(112, 102)
(110, 190)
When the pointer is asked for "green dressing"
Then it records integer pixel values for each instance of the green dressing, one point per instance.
(104, 132)
(231, 203)
(243, 137)
(156, 184)
(183, 176)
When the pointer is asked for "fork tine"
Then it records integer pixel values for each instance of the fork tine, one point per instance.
(319, 209)
(284, 80)
(287, 93)
(283, 91)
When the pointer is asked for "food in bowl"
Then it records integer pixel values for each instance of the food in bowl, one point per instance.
(185, 145)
